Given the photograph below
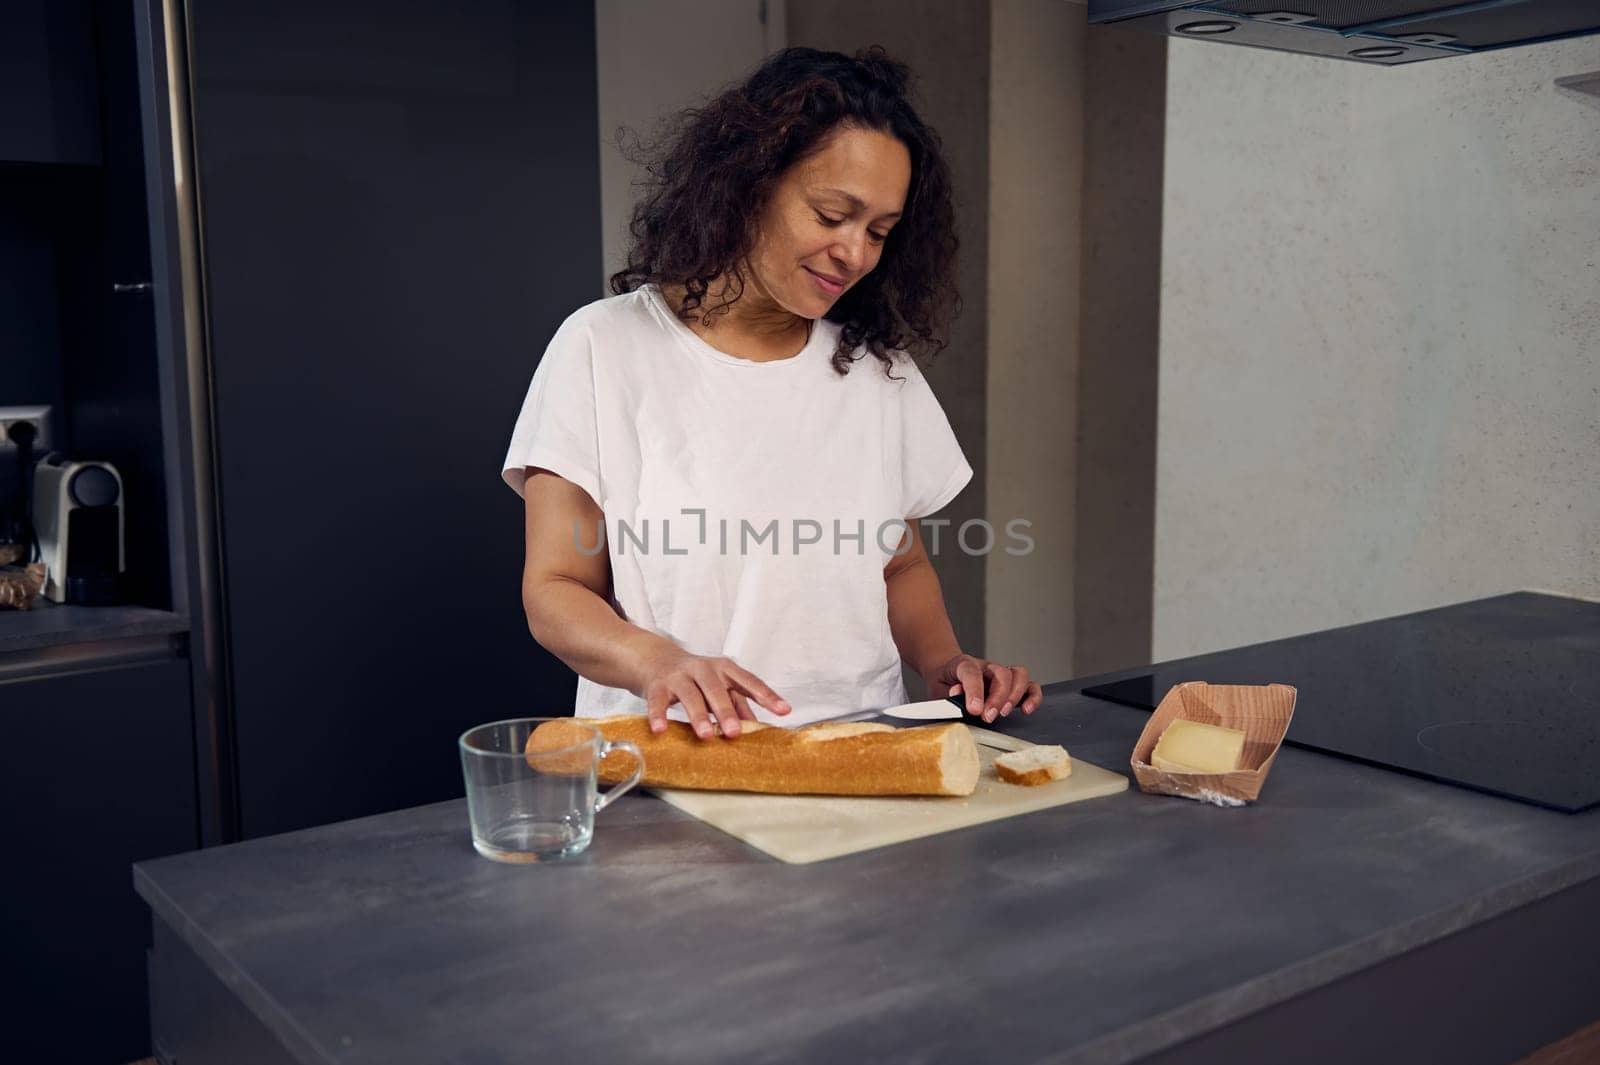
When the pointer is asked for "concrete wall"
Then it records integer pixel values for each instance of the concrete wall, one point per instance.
(655, 59)
(1380, 339)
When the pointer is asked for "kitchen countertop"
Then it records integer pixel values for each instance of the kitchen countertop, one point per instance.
(1121, 929)
(51, 624)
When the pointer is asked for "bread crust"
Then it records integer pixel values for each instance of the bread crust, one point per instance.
(1030, 778)
(841, 758)
(1058, 770)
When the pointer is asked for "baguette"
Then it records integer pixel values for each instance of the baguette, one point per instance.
(843, 758)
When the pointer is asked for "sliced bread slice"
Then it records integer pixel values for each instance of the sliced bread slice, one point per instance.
(1034, 765)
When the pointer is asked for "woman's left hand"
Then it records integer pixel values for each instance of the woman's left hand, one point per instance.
(993, 690)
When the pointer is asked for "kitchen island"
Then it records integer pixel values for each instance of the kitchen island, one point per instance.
(1352, 914)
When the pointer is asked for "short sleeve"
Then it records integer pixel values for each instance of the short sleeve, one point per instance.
(556, 429)
(933, 468)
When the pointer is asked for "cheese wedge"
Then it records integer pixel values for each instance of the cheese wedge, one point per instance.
(1190, 747)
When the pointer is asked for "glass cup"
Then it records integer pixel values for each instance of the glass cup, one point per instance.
(536, 807)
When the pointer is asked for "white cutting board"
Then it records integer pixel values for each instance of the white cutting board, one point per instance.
(811, 828)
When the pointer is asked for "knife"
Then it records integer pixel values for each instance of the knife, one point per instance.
(947, 709)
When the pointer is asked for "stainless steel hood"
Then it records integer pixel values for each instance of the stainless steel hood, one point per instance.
(1386, 32)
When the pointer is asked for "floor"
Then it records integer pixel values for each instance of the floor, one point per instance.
(1580, 1048)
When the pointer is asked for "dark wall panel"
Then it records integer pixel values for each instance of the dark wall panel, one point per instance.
(1125, 109)
(400, 205)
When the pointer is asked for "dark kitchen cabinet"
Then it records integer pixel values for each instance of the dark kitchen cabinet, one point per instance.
(49, 105)
(300, 323)
(96, 773)
(98, 767)
(397, 206)
(75, 314)
(75, 309)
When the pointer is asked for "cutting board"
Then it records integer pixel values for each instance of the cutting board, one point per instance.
(811, 828)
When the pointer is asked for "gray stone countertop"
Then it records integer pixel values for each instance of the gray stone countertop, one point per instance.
(1098, 932)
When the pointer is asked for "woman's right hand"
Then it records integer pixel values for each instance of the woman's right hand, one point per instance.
(707, 687)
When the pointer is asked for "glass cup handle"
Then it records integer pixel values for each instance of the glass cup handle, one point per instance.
(606, 747)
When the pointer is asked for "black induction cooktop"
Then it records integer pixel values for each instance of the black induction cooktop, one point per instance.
(1501, 695)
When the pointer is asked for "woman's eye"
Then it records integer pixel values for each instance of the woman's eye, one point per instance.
(877, 238)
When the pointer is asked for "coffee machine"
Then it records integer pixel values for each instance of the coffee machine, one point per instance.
(78, 519)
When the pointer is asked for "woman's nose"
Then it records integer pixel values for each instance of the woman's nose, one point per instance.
(852, 253)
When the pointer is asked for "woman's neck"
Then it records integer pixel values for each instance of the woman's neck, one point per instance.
(754, 326)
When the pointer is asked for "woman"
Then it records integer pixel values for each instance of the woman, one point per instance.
(758, 493)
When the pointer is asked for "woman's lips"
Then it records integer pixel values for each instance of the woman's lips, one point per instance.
(823, 283)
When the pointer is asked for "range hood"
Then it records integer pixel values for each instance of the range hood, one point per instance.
(1386, 32)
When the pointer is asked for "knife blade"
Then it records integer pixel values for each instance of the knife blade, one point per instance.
(948, 709)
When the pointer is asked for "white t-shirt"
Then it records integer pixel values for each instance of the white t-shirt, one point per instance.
(638, 410)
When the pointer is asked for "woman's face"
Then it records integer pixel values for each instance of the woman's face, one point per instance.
(828, 218)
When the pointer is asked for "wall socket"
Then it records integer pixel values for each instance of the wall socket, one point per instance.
(38, 417)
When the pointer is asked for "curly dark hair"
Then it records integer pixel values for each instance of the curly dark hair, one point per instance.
(713, 169)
